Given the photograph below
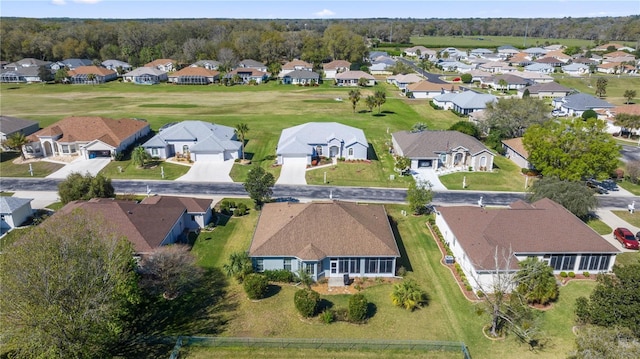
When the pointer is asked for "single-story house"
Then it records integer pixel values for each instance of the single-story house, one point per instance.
(420, 52)
(575, 69)
(359, 241)
(27, 62)
(12, 125)
(545, 90)
(515, 151)
(202, 141)
(301, 77)
(294, 65)
(479, 75)
(497, 67)
(166, 65)
(401, 81)
(534, 77)
(351, 78)
(207, 64)
(117, 65)
(146, 76)
(576, 104)
(426, 89)
(487, 241)
(89, 137)
(520, 59)
(75, 63)
(511, 82)
(456, 66)
(453, 53)
(154, 222)
(616, 68)
(91, 75)
(551, 61)
(248, 74)
(539, 67)
(194, 76)
(335, 67)
(535, 52)
(618, 56)
(14, 211)
(252, 64)
(506, 51)
(558, 54)
(21, 75)
(442, 150)
(464, 102)
(304, 142)
(480, 52)
(380, 68)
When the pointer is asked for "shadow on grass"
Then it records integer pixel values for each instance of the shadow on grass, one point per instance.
(222, 220)
(324, 304)
(8, 156)
(371, 153)
(379, 115)
(155, 320)
(404, 258)
(372, 309)
(388, 112)
(272, 290)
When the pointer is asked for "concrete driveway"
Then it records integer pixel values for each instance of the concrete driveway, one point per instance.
(428, 174)
(293, 172)
(203, 171)
(613, 221)
(81, 166)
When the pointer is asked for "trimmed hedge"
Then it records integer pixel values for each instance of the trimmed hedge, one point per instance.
(306, 302)
(279, 275)
(255, 285)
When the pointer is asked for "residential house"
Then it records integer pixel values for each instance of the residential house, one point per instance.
(14, 211)
(575, 69)
(515, 151)
(91, 75)
(420, 52)
(301, 77)
(479, 75)
(426, 89)
(506, 51)
(12, 125)
(607, 46)
(295, 65)
(359, 241)
(464, 102)
(545, 90)
(194, 76)
(612, 126)
(311, 140)
(453, 53)
(507, 82)
(117, 65)
(154, 222)
(456, 66)
(480, 52)
(89, 137)
(558, 54)
(616, 68)
(534, 77)
(442, 151)
(535, 52)
(381, 65)
(71, 64)
(520, 59)
(207, 64)
(486, 242)
(618, 56)
(352, 78)
(549, 60)
(27, 62)
(146, 76)
(585, 61)
(252, 64)
(247, 75)
(21, 75)
(166, 65)
(497, 67)
(401, 81)
(376, 54)
(334, 67)
(539, 67)
(576, 104)
(201, 141)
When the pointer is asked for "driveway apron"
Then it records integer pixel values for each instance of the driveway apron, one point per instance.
(203, 171)
(82, 166)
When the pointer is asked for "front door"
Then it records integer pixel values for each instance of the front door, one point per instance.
(334, 267)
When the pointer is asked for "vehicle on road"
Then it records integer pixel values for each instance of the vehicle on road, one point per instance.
(609, 185)
(596, 186)
(626, 238)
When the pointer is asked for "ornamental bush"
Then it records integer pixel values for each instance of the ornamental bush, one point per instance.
(306, 302)
(255, 285)
(357, 311)
(279, 275)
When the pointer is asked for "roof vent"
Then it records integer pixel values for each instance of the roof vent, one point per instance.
(129, 212)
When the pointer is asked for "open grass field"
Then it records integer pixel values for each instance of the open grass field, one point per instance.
(492, 42)
(616, 86)
(449, 316)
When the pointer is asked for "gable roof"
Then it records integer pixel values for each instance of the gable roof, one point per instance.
(115, 63)
(628, 109)
(407, 78)
(547, 87)
(96, 70)
(480, 231)
(210, 138)
(85, 129)
(303, 74)
(301, 230)
(350, 75)
(428, 144)
(195, 71)
(426, 86)
(583, 102)
(192, 205)
(298, 139)
(13, 124)
(73, 63)
(291, 65)
(336, 64)
(251, 63)
(160, 62)
(145, 71)
(517, 145)
(510, 79)
(10, 204)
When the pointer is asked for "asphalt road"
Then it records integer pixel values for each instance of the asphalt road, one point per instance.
(433, 78)
(630, 153)
(389, 195)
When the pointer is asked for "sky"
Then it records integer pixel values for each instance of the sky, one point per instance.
(311, 9)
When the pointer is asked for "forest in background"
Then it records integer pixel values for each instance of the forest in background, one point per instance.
(313, 40)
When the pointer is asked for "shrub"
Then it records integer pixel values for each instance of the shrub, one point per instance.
(255, 285)
(279, 275)
(402, 271)
(357, 311)
(341, 315)
(327, 316)
(572, 275)
(480, 293)
(586, 274)
(563, 274)
(468, 287)
(306, 302)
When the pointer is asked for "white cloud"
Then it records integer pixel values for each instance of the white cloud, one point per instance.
(58, 2)
(64, 2)
(325, 13)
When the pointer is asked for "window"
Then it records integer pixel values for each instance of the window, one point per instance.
(563, 262)
(286, 265)
(378, 265)
(185, 148)
(457, 159)
(154, 152)
(318, 150)
(28, 148)
(65, 148)
(350, 151)
(310, 268)
(348, 265)
(259, 265)
(594, 262)
(193, 218)
(483, 161)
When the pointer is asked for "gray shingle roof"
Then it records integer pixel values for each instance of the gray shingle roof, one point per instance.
(145, 71)
(547, 87)
(303, 74)
(211, 138)
(428, 144)
(467, 99)
(298, 140)
(583, 102)
(10, 204)
(13, 124)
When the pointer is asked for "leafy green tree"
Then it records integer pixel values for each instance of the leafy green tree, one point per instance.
(78, 187)
(466, 78)
(601, 86)
(572, 150)
(402, 163)
(502, 83)
(92, 78)
(628, 121)
(61, 76)
(342, 44)
(419, 127)
(306, 302)
(466, 127)
(354, 97)
(67, 286)
(589, 114)
(259, 185)
(526, 93)
(362, 82)
(169, 271)
(241, 131)
(536, 282)
(380, 97)
(574, 196)
(605, 343)
(15, 142)
(629, 95)
(238, 266)
(425, 64)
(419, 195)
(370, 101)
(511, 117)
(45, 74)
(274, 69)
(400, 67)
(408, 295)
(139, 156)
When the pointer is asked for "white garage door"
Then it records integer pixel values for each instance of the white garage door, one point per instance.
(294, 160)
(209, 157)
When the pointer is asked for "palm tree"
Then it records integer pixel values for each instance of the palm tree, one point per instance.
(239, 265)
(15, 142)
(503, 85)
(370, 101)
(408, 295)
(354, 97)
(241, 130)
(381, 98)
(139, 156)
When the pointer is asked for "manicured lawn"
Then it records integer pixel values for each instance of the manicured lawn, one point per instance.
(616, 86)
(368, 174)
(492, 41)
(628, 258)
(633, 188)
(631, 218)
(600, 227)
(10, 169)
(127, 170)
(506, 176)
(195, 352)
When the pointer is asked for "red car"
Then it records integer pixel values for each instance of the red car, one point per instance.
(625, 237)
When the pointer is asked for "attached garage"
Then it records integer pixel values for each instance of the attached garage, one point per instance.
(295, 160)
(207, 157)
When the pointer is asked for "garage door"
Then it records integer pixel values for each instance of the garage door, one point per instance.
(208, 157)
(294, 160)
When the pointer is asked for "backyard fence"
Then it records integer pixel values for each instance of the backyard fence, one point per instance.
(323, 343)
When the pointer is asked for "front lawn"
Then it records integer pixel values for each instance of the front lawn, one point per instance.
(151, 171)
(627, 258)
(600, 227)
(10, 169)
(358, 173)
(506, 176)
(631, 218)
(633, 188)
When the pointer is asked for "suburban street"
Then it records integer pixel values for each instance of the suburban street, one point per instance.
(630, 153)
(429, 76)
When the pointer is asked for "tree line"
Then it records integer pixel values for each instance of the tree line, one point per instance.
(313, 40)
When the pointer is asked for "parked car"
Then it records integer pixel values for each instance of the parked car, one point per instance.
(596, 186)
(609, 185)
(626, 238)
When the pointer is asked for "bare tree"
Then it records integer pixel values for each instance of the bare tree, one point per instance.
(227, 59)
(169, 271)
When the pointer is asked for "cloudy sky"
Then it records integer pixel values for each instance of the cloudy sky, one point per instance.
(311, 9)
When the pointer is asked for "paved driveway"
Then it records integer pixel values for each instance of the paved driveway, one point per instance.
(293, 172)
(613, 221)
(428, 174)
(203, 171)
(82, 166)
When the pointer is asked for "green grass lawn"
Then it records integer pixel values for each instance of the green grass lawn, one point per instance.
(616, 86)
(600, 227)
(448, 316)
(368, 174)
(10, 169)
(198, 352)
(631, 218)
(633, 188)
(493, 41)
(506, 176)
(627, 258)
(12, 236)
(127, 170)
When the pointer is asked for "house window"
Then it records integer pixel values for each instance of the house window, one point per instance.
(563, 262)
(348, 265)
(318, 150)
(185, 148)
(193, 218)
(28, 148)
(310, 268)
(350, 151)
(378, 265)
(593, 262)
(457, 159)
(65, 148)
(154, 152)
(483, 161)
(286, 265)
(259, 265)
